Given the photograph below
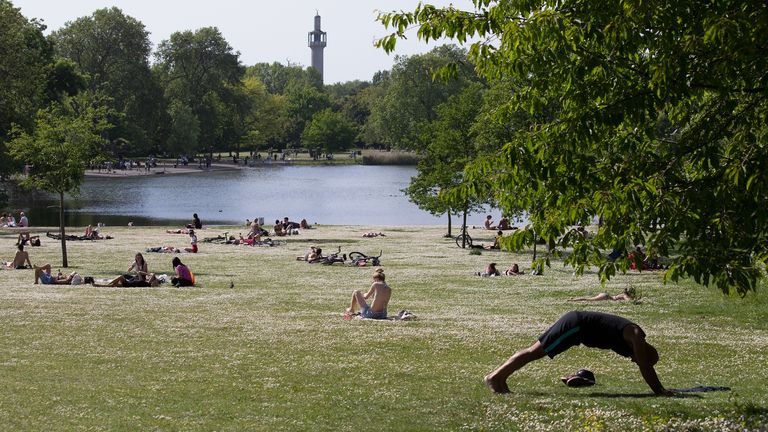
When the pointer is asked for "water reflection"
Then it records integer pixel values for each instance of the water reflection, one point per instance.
(322, 194)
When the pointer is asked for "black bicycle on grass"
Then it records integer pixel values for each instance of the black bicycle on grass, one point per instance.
(463, 240)
(360, 259)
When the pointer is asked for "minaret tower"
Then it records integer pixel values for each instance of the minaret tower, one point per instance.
(316, 41)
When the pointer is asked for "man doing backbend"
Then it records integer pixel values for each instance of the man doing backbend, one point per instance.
(594, 330)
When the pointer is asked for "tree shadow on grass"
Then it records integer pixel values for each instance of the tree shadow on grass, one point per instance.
(639, 395)
(321, 241)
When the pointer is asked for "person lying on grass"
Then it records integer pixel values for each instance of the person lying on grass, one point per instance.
(629, 294)
(44, 276)
(20, 260)
(594, 330)
(490, 270)
(513, 271)
(381, 293)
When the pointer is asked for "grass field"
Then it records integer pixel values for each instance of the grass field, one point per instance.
(273, 353)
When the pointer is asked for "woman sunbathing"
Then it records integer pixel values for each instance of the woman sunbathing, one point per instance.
(163, 249)
(513, 271)
(629, 294)
(490, 270)
(177, 231)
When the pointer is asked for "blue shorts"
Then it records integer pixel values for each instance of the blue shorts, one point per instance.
(366, 312)
(46, 279)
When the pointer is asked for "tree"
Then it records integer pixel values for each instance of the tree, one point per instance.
(302, 103)
(277, 77)
(25, 56)
(64, 139)
(266, 120)
(113, 49)
(184, 129)
(413, 94)
(451, 144)
(659, 128)
(200, 69)
(329, 131)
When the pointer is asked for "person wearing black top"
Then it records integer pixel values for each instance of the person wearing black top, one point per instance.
(594, 330)
(196, 223)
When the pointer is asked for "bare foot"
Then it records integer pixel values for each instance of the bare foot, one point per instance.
(495, 387)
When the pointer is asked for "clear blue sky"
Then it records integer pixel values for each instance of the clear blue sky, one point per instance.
(263, 31)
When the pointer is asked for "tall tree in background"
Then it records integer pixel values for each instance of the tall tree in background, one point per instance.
(302, 102)
(660, 128)
(65, 137)
(329, 131)
(266, 121)
(25, 55)
(277, 77)
(199, 69)
(413, 95)
(113, 50)
(451, 145)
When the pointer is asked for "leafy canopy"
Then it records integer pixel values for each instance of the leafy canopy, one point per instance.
(658, 124)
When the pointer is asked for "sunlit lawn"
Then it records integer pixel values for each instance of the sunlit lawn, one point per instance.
(273, 353)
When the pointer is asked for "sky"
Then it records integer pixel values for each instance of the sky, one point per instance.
(264, 30)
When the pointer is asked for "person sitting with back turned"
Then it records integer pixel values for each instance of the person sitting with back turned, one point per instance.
(23, 220)
(196, 223)
(183, 276)
(20, 261)
(381, 293)
(594, 330)
(504, 224)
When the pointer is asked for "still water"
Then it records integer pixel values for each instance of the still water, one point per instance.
(359, 195)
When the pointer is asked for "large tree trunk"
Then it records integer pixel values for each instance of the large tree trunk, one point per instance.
(64, 262)
(449, 224)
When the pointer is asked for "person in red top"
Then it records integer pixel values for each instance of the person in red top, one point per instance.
(594, 330)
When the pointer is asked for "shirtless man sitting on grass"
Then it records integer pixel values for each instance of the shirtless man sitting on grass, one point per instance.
(381, 293)
(594, 330)
(20, 261)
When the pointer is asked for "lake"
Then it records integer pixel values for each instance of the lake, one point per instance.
(349, 194)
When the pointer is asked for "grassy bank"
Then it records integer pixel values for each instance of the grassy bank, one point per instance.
(273, 353)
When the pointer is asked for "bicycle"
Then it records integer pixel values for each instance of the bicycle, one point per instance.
(463, 240)
(360, 259)
(221, 239)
